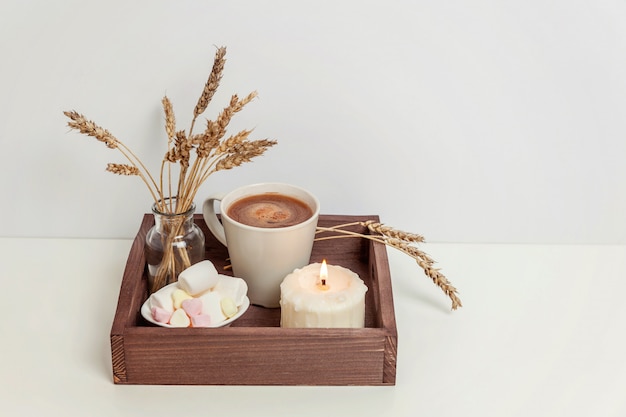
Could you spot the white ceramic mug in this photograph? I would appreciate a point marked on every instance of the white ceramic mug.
(263, 256)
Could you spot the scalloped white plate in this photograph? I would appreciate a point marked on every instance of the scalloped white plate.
(147, 314)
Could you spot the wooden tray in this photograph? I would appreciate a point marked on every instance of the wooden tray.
(255, 350)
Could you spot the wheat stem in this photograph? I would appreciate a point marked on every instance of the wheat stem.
(401, 241)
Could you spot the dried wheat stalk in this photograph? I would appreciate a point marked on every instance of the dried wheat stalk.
(402, 241)
(196, 155)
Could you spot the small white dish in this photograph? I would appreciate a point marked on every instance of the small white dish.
(147, 314)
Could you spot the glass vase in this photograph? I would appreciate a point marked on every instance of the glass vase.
(173, 244)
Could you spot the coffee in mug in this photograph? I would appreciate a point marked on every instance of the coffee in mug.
(270, 210)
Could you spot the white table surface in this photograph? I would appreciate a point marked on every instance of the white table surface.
(542, 333)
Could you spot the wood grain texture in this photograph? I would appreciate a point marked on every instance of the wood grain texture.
(255, 350)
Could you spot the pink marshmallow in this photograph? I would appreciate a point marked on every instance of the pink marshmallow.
(201, 320)
(161, 315)
(192, 306)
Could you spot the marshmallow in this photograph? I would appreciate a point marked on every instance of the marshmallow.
(198, 278)
(180, 319)
(228, 306)
(234, 288)
(211, 306)
(201, 320)
(163, 298)
(178, 296)
(160, 315)
(192, 306)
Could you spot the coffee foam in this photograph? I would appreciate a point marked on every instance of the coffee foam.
(269, 211)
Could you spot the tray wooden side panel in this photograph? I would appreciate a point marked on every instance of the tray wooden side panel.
(381, 281)
(128, 300)
(258, 356)
(255, 350)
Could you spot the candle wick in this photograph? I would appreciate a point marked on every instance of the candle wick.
(322, 284)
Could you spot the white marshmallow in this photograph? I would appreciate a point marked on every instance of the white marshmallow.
(163, 298)
(211, 306)
(198, 278)
(234, 288)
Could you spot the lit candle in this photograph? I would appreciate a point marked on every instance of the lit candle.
(321, 295)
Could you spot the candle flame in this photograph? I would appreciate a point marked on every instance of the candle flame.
(322, 285)
(324, 271)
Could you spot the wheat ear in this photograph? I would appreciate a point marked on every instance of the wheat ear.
(211, 85)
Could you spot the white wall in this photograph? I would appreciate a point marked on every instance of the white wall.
(481, 121)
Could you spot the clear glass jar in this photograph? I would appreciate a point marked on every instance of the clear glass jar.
(173, 244)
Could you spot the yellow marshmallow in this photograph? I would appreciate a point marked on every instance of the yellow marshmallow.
(180, 319)
(178, 296)
(229, 308)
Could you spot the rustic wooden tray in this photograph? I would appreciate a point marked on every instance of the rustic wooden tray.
(255, 350)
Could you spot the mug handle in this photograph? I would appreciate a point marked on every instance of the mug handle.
(210, 217)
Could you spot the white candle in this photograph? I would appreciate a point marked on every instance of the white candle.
(309, 299)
